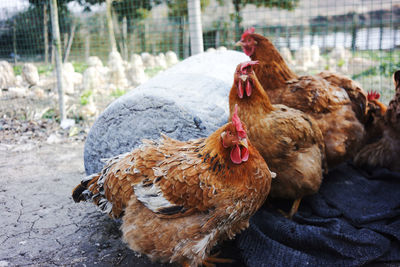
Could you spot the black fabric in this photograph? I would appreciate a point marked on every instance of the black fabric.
(353, 220)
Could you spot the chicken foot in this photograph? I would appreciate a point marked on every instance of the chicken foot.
(293, 210)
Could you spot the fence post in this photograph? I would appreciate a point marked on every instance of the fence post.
(287, 33)
(86, 33)
(354, 32)
(195, 27)
(110, 26)
(301, 35)
(15, 41)
(45, 34)
(380, 32)
(57, 46)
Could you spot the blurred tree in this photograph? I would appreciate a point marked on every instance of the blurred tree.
(177, 13)
(135, 11)
(240, 4)
(64, 15)
(178, 8)
(131, 9)
(32, 29)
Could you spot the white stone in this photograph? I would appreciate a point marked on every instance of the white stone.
(53, 139)
(340, 53)
(160, 61)
(89, 110)
(70, 79)
(67, 84)
(38, 92)
(19, 81)
(94, 62)
(69, 73)
(136, 60)
(358, 64)
(67, 123)
(68, 67)
(93, 79)
(315, 54)
(117, 74)
(17, 91)
(303, 58)
(222, 48)
(148, 60)
(7, 77)
(287, 55)
(171, 58)
(30, 74)
(136, 75)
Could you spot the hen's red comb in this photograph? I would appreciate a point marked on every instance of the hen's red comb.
(373, 95)
(247, 32)
(238, 124)
(247, 64)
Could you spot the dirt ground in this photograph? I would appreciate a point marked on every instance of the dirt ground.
(41, 225)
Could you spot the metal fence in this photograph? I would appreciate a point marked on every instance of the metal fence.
(358, 37)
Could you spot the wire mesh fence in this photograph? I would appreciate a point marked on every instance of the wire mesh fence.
(360, 38)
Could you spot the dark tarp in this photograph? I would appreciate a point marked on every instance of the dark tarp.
(353, 220)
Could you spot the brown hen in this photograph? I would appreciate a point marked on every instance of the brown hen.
(288, 139)
(374, 121)
(386, 151)
(336, 103)
(178, 199)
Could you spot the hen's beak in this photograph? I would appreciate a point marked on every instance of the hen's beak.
(239, 43)
(244, 143)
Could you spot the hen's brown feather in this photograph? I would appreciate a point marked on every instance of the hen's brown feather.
(288, 139)
(336, 103)
(356, 94)
(179, 198)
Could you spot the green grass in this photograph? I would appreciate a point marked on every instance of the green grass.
(341, 63)
(153, 71)
(385, 69)
(381, 56)
(17, 69)
(118, 92)
(44, 69)
(51, 114)
(85, 97)
(80, 66)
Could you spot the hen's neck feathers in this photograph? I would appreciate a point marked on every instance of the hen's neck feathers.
(272, 70)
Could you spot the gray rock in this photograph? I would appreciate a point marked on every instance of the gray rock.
(189, 100)
(30, 74)
(7, 77)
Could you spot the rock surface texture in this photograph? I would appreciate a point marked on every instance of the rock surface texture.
(189, 100)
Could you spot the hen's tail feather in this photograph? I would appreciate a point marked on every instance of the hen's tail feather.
(84, 191)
